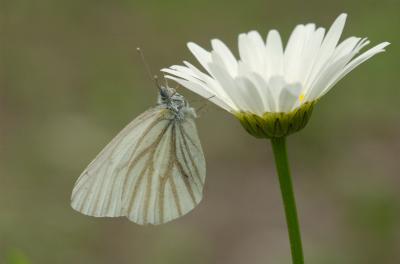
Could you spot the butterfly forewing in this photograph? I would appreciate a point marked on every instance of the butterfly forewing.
(152, 172)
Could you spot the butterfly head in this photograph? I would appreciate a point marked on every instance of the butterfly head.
(174, 101)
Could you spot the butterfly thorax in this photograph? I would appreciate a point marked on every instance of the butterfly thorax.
(175, 102)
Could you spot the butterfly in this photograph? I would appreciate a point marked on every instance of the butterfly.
(152, 172)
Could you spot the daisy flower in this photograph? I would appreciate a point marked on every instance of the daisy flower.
(272, 89)
(271, 82)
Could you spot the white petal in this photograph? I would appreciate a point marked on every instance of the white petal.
(346, 47)
(325, 75)
(259, 50)
(228, 84)
(342, 55)
(334, 33)
(250, 95)
(203, 92)
(311, 47)
(183, 74)
(203, 56)
(227, 56)
(196, 77)
(293, 53)
(305, 54)
(244, 49)
(199, 74)
(328, 45)
(274, 54)
(289, 96)
(243, 69)
(276, 84)
(241, 91)
(200, 89)
(216, 59)
(259, 82)
(210, 82)
(265, 91)
(314, 50)
(180, 68)
(354, 63)
(257, 40)
(250, 50)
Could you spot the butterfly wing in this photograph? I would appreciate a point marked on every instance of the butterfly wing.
(152, 172)
(181, 186)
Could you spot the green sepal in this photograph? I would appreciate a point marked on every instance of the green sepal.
(276, 124)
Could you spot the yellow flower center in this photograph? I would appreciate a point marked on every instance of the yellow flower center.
(301, 97)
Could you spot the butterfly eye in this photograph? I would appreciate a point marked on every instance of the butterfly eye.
(164, 94)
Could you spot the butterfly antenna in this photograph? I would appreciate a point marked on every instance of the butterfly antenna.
(166, 81)
(156, 81)
(147, 67)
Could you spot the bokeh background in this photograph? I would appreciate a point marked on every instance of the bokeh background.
(71, 79)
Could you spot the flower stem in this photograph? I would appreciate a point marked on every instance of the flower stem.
(285, 181)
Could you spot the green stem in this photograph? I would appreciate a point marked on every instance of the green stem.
(285, 181)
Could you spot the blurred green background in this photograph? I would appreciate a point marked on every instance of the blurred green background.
(71, 79)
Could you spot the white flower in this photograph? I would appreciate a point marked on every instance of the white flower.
(269, 78)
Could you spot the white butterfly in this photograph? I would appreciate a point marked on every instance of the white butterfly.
(152, 172)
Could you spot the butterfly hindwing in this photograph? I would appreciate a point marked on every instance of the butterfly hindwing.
(181, 185)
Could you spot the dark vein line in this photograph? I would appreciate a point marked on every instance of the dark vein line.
(175, 195)
(197, 172)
